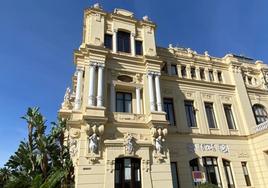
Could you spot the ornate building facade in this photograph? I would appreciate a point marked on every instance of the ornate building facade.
(145, 116)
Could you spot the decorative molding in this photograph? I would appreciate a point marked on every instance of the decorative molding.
(158, 140)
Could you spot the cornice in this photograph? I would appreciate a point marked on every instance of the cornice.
(199, 83)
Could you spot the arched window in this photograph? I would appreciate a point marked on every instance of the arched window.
(127, 173)
(228, 173)
(123, 41)
(260, 113)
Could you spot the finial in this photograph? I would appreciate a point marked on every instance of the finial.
(206, 53)
(145, 18)
(170, 46)
(97, 6)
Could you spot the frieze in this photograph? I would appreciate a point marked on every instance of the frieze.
(223, 148)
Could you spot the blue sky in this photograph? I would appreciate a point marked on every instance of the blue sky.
(37, 39)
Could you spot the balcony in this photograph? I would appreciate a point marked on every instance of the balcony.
(261, 127)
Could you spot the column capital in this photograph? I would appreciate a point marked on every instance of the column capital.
(115, 30)
(93, 64)
(133, 34)
(101, 65)
(78, 68)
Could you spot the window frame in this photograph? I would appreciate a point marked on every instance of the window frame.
(212, 115)
(123, 41)
(230, 122)
(193, 72)
(167, 112)
(211, 75)
(246, 173)
(226, 165)
(212, 165)
(263, 113)
(202, 74)
(123, 101)
(190, 113)
(183, 71)
(173, 67)
(176, 175)
(109, 41)
(141, 47)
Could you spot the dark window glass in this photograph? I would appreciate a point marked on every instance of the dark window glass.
(202, 74)
(174, 70)
(228, 173)
(138, 46)
(169, 109)
(260, 113)
(108, 43)
(211, 76)
(212, 170)
(250, 80)
(123, 102)
(183, 71)
(190, 113)
(219, 76)
(123, 41)
(164, 68)
(174, 173)
(246, 175)
(210, 115)
(127, 173)
(193, 75)
(194, 166)
(229, 116)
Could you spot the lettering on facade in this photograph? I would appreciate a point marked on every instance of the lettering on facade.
(223, 148)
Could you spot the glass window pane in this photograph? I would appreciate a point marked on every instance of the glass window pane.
(174, 175)
(128, 106)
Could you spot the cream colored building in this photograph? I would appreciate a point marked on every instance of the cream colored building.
(146, 116)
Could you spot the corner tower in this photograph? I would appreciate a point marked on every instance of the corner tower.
(116, 124)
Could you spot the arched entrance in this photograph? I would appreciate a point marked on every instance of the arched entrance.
(127, 173)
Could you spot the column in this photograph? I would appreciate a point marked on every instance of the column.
(100, 85)
(151, 91)
(112, 99)
(215, 75)
(92, 72)
(132, 43)
(206, 74)
(138, 99)
(188, 72)
(169, 68)
(115, 41)
(78, 88)
(179, 71)
(246, 79)
(158, 93)
(197, 73)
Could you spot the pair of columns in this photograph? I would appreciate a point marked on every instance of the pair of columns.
(132, 42)
(93, 68)
(153, 79)
(113, 98)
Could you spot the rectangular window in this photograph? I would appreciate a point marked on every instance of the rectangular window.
(245, 171)
(123, 41)
(212, 170)
(174, 70)
(108, 43)
(169, 109)
(123, 102)
(250, 80)
(174, 173)
(183, 71)
(193, 75)
(211, 76)
(219, 76)
(202, 74)
(229, 116)
(228, 173)
(210, 115)
(138, 46)
(190, 113)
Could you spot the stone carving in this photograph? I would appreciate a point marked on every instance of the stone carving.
(158, 138)
(145, 18)
(223, 148)
(73, 143)
(123, 12)
(97, 6)
(93, 143)
(110, 165)
(146, 165)
(66, 101)
(129, 144)
(94, 132)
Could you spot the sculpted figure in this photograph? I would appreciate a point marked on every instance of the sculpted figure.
(93, 143)
(159, 144)
(129, 144)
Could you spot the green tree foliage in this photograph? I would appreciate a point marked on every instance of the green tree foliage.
(43, 161)
(207, 185)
